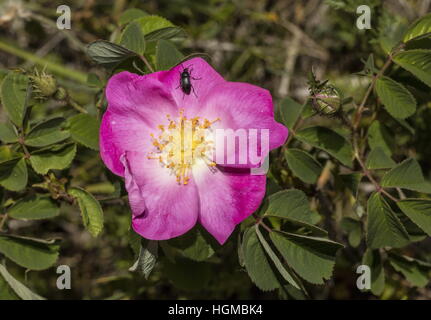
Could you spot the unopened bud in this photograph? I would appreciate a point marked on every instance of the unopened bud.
(327, 101)
(60, 94)
(44, 85)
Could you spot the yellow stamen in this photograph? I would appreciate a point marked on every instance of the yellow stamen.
(182, 142)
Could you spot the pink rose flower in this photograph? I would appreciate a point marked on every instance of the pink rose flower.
(161, 141)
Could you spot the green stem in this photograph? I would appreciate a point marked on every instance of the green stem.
(361, 107)
(147, 63)
(356, 124)
(3, 221)
(76, 106)
(51, 66)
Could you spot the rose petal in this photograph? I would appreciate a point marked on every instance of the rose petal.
(136, 106)
(170, 209)
(119, 134)
(242, 106)
(206, 78)
(227, 197)
(142, 97)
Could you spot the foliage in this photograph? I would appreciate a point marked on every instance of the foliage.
(349, 187)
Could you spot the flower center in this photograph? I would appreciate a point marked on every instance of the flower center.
(181, 143)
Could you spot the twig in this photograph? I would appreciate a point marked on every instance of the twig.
(46, 48)
(51, 66)
(360, 110)
(23, 146)
(75, 105)
(379, 188)
(292, 50)
(306, 39)
(147, 64)
(69, 35)
(3, 221)
(259, 220)
(357, 121)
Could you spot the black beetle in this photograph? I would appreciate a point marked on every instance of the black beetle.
(185, 81)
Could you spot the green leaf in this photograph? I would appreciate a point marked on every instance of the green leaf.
(351, 181)
(47, 132)
(93, 80)
(91, 211)
(390, 31)
(165, 34)
(329, 141)
(8, 133)
(147, 258)
(303, 165)
(85, 130)
(152, 23)
(188, 274)
(407, 175)
(378, 159)
(353, 228)
(419, 211)
(295, 225)
(418, 62)
(311, 257)
(34, 207)
(291, 203)
(415, 271)
(132, 38)
(108, 54)
(308, 109)
(167, 55)
(384, 229)
(130, 15)
(30, 253)
(193, 245)
(416, 234)
(256, 262)
(379, 137)
(290, 110)
(14, 96)
(283, 270)
(399, 102)
(421, 27)
(373, 260)
(6, 292)
(13, 174)
(58, 157)
(19, 289)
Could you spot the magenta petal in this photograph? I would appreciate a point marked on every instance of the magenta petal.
(207, 77)
(142, 97)
(119, 134)
(242, 106)
(136, 105)
(162, 208)
(226, 198)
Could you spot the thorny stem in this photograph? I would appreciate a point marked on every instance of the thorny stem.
(371, 178)
(357, 121)
(360, 110)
